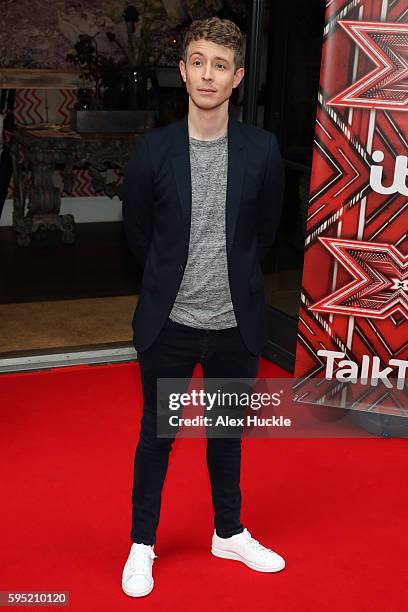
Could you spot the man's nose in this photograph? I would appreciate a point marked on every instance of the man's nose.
(208, 71)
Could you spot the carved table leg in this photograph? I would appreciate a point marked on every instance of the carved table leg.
(21, 225)
(45, 203)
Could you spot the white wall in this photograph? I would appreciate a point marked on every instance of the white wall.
(84, 210)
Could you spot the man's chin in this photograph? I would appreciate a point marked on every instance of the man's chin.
(206, 104)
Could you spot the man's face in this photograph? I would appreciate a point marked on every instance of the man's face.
(209, 73)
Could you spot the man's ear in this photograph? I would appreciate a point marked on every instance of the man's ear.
(238, 76)
(182, 68)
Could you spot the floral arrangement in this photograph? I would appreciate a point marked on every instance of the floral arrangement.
(148, 32)
(153, 35)
(150, 39)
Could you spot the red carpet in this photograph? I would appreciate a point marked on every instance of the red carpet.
(336, 508)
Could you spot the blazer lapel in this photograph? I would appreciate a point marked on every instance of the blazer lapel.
(236, 169)
(182, 174)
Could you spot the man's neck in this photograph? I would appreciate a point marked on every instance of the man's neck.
(207, 125)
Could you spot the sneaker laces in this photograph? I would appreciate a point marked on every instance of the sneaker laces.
(255, 544)
(139, 557)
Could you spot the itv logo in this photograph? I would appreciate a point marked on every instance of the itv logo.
(399, 183)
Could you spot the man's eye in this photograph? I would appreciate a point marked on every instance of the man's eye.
(222, 65)
(195, 61)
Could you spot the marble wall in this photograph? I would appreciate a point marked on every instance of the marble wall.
(38, 33)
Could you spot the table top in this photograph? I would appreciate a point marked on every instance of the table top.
(63, 131)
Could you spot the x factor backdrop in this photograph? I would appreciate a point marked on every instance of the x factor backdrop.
(354, 301)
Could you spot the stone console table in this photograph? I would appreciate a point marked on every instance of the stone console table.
(37, 151)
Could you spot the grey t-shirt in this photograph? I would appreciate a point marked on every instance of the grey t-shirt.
(204, 298)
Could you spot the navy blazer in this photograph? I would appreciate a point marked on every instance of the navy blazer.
(157, 213)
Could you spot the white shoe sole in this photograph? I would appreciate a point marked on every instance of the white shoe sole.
(227, 554)
(140, 593)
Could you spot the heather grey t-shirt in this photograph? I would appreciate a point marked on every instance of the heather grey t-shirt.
(204, 298)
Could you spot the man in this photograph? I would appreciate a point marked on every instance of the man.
(202, 201)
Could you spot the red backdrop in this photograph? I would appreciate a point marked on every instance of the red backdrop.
(354, 301)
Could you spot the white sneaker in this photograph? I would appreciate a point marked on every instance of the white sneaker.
(137, 579)
(243, 547)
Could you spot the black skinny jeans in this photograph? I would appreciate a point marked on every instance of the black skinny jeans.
(174, 354)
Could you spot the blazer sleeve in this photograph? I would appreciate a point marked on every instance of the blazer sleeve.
(271, 199)
(137, 205)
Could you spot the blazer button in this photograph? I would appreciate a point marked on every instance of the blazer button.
(180, 268)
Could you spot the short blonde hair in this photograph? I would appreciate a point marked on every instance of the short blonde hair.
(220, 31)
